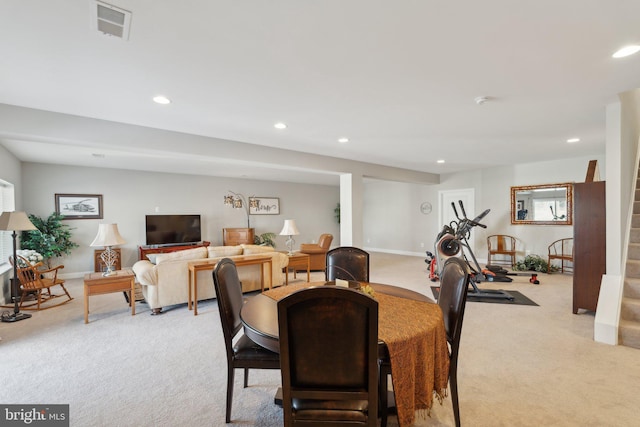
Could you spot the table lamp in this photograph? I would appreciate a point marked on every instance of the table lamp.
(14, 221)
(289, 229)
(108, 236)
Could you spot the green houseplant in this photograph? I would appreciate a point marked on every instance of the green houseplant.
(52, 238)
(265, 239)
(534, 263)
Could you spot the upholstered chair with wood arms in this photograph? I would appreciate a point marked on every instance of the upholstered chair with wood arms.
(329, 371)
(244, 353)
(347, 263)
(454, 282)
(317, 251)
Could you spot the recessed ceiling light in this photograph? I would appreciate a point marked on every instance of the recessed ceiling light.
(343, 140)
(572, 140)
(161, 100)
(280, 125)
(626, 51)
(440, 161)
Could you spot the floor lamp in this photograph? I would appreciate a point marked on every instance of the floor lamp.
(15, 221)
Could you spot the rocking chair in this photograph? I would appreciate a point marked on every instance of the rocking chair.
(33, 279)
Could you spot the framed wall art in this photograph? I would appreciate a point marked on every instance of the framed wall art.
(79, 206)
(264, 206)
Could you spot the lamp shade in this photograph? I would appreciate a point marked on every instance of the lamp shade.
(15, 221)
(108, 235)
(289, 228)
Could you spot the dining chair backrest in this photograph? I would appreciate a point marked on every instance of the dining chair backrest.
(328, 356)
(347, 263)
(454, 283)
(229, 294)
(242, 353)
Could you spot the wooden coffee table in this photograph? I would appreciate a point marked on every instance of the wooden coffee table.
(297, 260)
(120, 281)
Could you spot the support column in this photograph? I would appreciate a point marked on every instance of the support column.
(351, 211)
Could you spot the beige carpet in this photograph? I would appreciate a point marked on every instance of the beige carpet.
(519, 365)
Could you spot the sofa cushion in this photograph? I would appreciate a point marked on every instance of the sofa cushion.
(224, 251)
(187, 254)
(256, 249)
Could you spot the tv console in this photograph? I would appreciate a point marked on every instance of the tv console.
(159, 249)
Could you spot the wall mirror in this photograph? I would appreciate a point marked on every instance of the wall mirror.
(547, 204)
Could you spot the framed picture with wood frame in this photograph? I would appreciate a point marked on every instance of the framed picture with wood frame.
(264, 206)
(79, 206)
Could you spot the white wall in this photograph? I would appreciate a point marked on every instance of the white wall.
(130, 195)
(10, 170)
(393, 221)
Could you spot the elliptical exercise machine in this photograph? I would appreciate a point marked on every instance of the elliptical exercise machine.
(452, 242)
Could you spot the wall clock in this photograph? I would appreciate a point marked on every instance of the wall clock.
(426, 208)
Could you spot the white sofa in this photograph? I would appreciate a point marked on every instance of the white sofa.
(165, 277)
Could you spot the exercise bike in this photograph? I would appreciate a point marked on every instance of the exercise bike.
(452, 241)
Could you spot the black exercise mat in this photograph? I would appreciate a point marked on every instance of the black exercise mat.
(518, 298)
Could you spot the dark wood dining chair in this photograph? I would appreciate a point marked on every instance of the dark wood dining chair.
(329, 371)
(452, 299)
(244, 354)
(347, 263)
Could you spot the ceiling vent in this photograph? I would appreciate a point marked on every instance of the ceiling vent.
(110, 20)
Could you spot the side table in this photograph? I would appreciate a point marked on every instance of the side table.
(297, 260)
(120, 281)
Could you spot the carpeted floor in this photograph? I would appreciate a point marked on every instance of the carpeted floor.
(519, 365)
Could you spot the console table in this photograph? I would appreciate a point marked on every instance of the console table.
(196, 266)
(144, 250)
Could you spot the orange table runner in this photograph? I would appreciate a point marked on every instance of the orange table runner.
(415, 337)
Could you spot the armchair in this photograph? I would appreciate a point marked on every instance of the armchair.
(317, 252)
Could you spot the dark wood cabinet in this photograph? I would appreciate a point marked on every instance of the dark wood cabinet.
(237, 236)
(589, 243)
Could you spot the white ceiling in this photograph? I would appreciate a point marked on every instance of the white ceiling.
(398, 78)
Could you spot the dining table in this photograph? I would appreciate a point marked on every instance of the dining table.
(411, 336)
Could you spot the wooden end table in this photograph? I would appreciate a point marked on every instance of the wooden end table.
(120, 281)
(297, 260)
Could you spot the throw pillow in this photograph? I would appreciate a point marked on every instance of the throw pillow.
(187, 254)
(256, 249)
(224, 251)
(152, 258)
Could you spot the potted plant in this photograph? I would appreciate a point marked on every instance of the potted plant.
(533, 263)
(52, 238)
(265, 239)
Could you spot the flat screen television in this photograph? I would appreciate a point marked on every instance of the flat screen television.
(172, 229)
